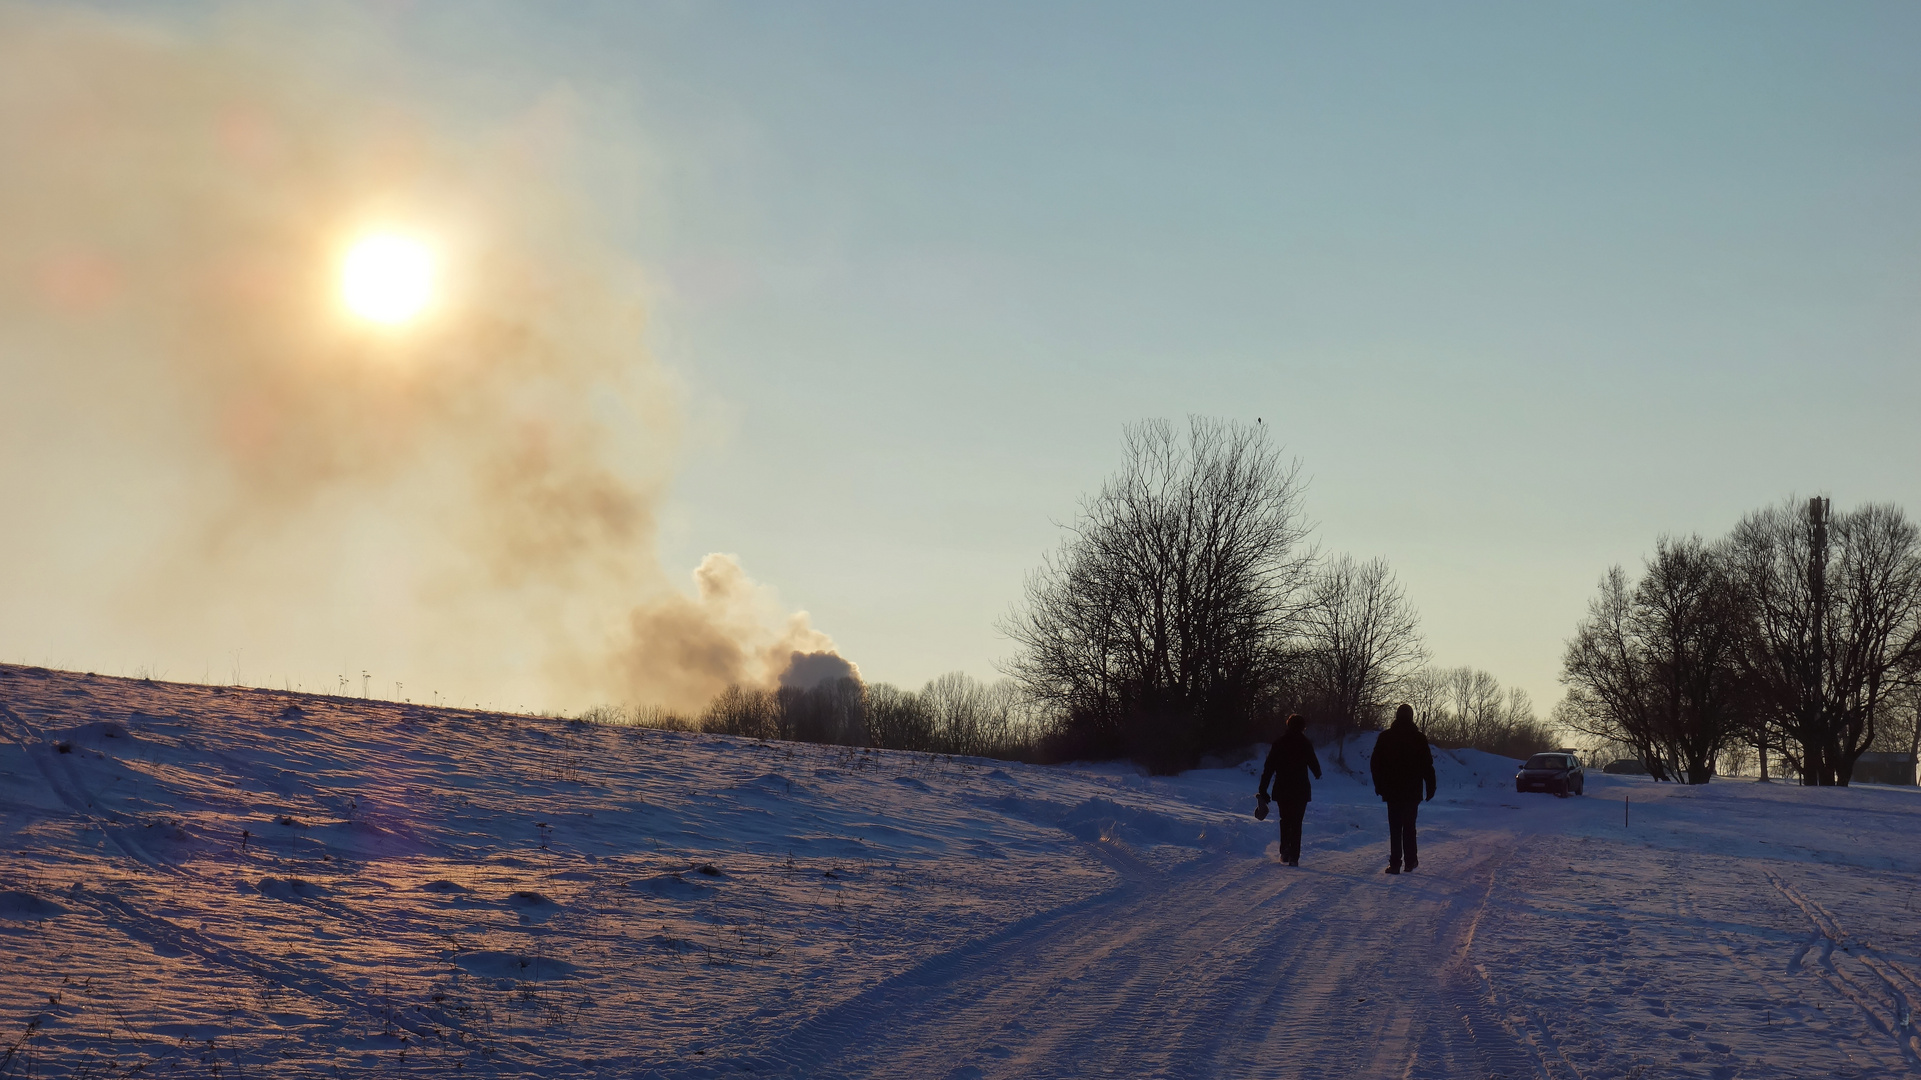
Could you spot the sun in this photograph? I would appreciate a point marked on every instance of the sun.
(387, 278)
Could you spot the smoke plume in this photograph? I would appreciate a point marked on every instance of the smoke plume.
(209, 456)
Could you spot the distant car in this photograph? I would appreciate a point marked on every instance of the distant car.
(1559, 774)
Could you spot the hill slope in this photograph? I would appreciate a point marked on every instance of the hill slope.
(311, 885)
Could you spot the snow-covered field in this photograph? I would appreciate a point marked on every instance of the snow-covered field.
(251, 883)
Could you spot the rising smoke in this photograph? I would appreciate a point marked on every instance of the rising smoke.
(207, 456)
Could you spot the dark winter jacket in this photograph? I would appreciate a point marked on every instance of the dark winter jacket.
(1288, 764)
(1402, 764)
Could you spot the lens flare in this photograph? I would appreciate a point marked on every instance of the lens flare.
(387, 278)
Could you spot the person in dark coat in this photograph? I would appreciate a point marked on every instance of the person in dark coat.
(1402, 766)
(1288, 764)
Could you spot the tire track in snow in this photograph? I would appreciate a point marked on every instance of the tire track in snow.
(987, 971)
(1525, 1044)
(433, 1026)
(1339, 1006)
(166, 935)
(1196, 972)
(1201, 951)
(76, 802)
(1898, 1023)
(840, 1040)
(309, 982)
(1779, 980)
(71, 792)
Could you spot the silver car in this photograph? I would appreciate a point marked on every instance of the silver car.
(1558, 774)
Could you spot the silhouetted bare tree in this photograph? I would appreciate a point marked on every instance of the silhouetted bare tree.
(1690, 609)
(832, 711)
(1657, 666)
(1609, 696)
(962, 715)
(1898, 728)
(739, 710)
(1834, 620)
(898, 719)
(1152, 632)
(1466, 706)
(1472, 703)
(1361, 641)
(968, 716)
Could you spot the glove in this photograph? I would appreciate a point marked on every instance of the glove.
(1260, 806)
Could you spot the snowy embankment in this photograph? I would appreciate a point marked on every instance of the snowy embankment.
(291, 885)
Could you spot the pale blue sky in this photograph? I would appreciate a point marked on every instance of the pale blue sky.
(1522, 286)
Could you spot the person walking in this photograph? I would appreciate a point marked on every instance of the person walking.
(1402, 765)
(1288, 763)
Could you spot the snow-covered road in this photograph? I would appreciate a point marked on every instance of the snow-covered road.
(1215, 968)
(271, 884)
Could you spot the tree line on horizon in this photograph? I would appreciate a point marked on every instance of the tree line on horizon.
(954, 713)
(1185, 614)
(1794, 640)
(960, 715)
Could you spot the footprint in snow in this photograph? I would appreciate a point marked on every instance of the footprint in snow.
(508, 965)
(292, 888)
(533, 907)
(669, 885)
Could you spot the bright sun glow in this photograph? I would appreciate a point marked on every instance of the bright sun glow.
(387, 278)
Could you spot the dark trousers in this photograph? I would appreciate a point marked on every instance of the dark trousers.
(1292, 812)
(1401, 849)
